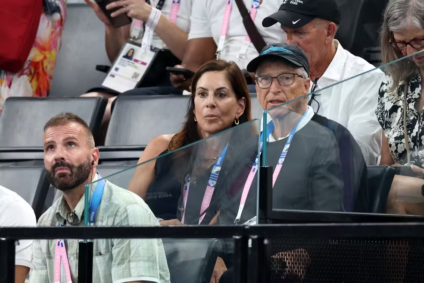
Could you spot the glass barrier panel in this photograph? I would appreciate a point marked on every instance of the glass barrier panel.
(198, 184)
(325, 147)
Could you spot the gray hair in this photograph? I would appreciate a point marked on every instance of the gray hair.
(398, 16)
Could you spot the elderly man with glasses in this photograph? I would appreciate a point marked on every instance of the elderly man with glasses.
(318, 166)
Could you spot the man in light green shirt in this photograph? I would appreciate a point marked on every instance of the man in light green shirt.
(70, 158)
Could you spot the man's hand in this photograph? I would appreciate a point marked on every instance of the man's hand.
(218, 270)
(179, 81)
(173, 222)
(99, 13)
(135, 9)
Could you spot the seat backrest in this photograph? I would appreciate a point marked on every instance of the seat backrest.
(136, 120)
(31, 183)
(82, 48)
(380, 180)
(23, 118)
(257, 110)
(191, 260)
(360, 24)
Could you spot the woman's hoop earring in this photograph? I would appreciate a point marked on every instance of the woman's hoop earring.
(195, 120)
(236, 121)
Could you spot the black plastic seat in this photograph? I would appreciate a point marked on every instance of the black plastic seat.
(23, 119)
(360, 24)
(31, 183)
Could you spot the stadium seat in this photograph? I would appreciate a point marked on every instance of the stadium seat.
(31, 183)
(379, 183)
(136, 120)
(360, 24)
(23, 119)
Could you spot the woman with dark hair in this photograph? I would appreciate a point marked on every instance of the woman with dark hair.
(220, 100)
(129, 55)
(401, 102)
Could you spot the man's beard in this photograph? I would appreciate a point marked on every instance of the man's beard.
(68, 181)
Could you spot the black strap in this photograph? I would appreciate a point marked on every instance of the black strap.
(250, 27)
(160, 4)
(314, 87)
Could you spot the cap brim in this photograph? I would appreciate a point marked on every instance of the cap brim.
(287, 18)
(254, 64)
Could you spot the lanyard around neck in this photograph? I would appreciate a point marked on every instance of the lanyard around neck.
(249, 181)
(213, 179)
(60, 249)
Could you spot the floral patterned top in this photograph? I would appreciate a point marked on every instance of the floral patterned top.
(36, 76)
(390, 114)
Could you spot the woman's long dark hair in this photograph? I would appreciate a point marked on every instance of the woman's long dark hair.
(189, 133)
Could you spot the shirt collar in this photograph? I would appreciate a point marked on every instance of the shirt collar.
(309, 115)
(334, 71)
(62, 209)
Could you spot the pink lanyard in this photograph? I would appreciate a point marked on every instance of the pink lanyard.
(60, 254)
(225, 24)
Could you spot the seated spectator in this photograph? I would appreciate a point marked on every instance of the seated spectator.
(15, 212)
(323, 164)
(35, 78)
(208, 24)
(70, 158)
(169, 34)
(312, 25)
(401, 103)
(220, 100)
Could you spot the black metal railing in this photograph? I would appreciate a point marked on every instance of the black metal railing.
(253, 245)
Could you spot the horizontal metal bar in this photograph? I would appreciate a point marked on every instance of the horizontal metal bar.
(389, 230)
(192, 232)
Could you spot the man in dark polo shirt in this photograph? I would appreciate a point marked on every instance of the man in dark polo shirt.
(318, 165)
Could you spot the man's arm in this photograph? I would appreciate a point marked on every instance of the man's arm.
(363, 123)
(198, 51)
(21, 273)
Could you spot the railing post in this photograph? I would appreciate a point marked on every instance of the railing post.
(85, 262)
(240, 259)
(7, 260)
(265, 193)
(259, 260)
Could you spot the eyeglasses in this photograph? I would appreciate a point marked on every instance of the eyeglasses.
(416, 43)
(283, 79)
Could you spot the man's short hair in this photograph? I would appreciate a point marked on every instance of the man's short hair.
(66, 118)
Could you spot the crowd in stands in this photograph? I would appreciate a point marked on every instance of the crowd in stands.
(319, 144)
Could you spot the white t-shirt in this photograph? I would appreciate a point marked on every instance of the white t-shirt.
(183, 19)
(353, 103)
(14, 212)
(207, 18)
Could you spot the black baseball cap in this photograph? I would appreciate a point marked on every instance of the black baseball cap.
(297, 13)
(290, 53)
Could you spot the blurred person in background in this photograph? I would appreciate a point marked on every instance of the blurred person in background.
(167, 35)
(312, 25)
(70, 159)
(401, 103)
(36, 76)
(206, 41)
(16, 212)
